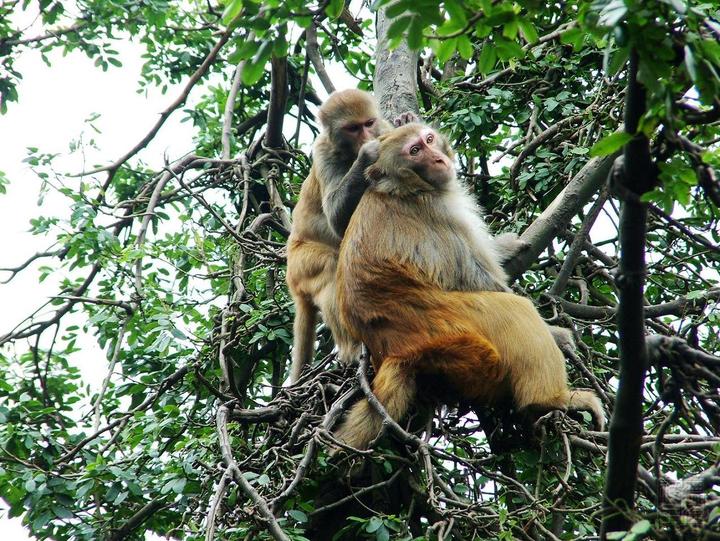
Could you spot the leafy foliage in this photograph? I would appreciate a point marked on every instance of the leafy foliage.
(178, 275)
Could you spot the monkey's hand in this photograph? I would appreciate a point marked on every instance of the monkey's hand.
(509, 245)
(370, 152)
(405, 118)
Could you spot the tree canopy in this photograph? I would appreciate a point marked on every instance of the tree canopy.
(591, 129)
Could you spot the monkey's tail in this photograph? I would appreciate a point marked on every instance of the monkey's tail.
(587, 400)
(394, 386)
(303, 336)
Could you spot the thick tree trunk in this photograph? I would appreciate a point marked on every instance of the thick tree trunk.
(395, 84)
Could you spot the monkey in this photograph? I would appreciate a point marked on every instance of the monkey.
(412, 284)
(349, 119)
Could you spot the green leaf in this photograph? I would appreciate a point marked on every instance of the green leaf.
(396, 9)
(335, 8)
(510, 29)
(465, 47)
(611, 143)
(697, 294)
(179, 485)
(232, 10)
(62, 512)
(487, 59)
(399, 26)
(41, 521)
(641, 527)
(244, 49)
(456, 11)
(255, 67)
(446, 49)
(299, 516)
(415, 37)
(507, 49)
(528, 30)
(618, 58)
(373, 524)
(574, 36)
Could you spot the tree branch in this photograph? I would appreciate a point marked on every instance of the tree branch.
(626, 424)
(395, 80)
(313, 52)
(179, 101)
(577, 245)
(260, 504)
(554, 219)
(278, 102)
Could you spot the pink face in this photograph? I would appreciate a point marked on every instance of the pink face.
(424, 150)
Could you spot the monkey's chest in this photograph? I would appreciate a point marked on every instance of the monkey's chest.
(449, 262)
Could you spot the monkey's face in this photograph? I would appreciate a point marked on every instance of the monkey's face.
(424, 153)
(359, 131)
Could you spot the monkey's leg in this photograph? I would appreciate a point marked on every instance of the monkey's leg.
(394, 386)
(468, 363)
(303, 335)
(311, 267)
(563, 337)
(348, 347)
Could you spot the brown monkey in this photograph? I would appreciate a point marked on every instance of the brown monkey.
(329, 195)
(411, 268)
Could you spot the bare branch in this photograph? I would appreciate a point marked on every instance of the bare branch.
(15, 270)
(577, 245)
(313, 53)
(260, 504)
(179, 101)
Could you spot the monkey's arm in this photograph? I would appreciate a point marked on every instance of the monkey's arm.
(342, 195)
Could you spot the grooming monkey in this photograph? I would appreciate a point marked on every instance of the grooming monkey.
(414, 283)
(349, 119)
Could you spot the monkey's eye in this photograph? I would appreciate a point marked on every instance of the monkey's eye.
(414, 150)
(353, 128)
(430, 138)
(369, 123)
